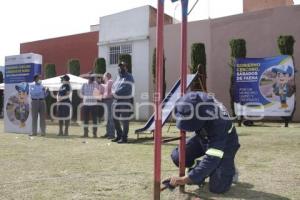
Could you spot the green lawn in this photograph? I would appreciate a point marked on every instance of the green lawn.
(75, 168)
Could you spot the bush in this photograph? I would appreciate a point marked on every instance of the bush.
(127, 59)
(198, 65)
(100, 66)
(49, 72)
(154, 73)
(286, 44)
(238, 50)
(198, 56)
(74, 67)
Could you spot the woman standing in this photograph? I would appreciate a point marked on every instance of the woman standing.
(64, 105)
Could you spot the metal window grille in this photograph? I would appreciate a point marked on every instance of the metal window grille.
(115, 51)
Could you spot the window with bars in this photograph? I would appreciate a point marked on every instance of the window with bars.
(115, 51)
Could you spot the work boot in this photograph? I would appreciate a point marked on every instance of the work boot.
(86, 132)
(116, 139)
(61, 123)
(67, 123)
(95, 132)
(122, 141)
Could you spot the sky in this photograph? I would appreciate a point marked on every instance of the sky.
(29, 20)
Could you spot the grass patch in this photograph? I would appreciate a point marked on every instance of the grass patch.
(52, 167)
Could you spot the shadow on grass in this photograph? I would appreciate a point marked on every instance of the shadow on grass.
(148, 141)
(238, 191)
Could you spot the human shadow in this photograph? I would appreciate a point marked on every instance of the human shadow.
(237, 191)
(148, 141)
(55, 136)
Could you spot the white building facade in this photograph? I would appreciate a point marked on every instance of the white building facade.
(128, 33)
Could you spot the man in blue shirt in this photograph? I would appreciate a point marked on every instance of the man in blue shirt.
(38, 94)
(215, 142)
(123, 100)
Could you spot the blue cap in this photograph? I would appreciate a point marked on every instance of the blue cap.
(22, 87)
(284, 69)
(188, 109)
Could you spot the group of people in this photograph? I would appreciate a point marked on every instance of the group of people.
(210, 152)
(100, 96)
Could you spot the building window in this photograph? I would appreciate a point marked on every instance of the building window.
(115, 51)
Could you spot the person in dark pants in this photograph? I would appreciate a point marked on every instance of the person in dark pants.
(64, 108)
(211, 151)
(122, 105)
(89, 105)
(38, 94)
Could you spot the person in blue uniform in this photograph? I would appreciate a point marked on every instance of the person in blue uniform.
(63, 97)
(210, 152)
(38, 94)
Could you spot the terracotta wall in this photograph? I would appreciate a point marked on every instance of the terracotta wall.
(60, 50)
(254, 5)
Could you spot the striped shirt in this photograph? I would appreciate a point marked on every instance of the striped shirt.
(89, 91)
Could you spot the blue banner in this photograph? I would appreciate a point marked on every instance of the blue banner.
(264, 86)
(19, 73)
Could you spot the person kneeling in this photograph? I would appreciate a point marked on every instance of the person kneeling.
(215, 141)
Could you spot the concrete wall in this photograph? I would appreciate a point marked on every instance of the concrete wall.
(197, 32)
(153, 17)
(125, 25)
(259, 29)
(129, 27)
(254, 5)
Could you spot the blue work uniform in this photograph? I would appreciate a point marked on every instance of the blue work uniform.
(215, 141)
(64, 109)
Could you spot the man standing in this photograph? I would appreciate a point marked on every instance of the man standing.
(215, 141)
(90, 105)
(123, 100)
(38, 94)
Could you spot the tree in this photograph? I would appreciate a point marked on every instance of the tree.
(238, 50)
(154, 72)
(49, 72)
(198, 65)
(286, 44)
(74, 68)
(127, 59)
(100, 66)
(286, 47)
